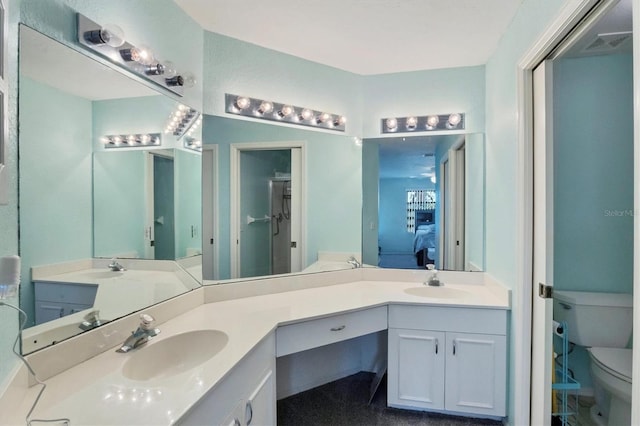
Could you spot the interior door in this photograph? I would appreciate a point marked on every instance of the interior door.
(541, 352)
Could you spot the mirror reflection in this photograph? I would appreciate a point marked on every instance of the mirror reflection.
(80, 200)
(424, 202)
(147, 204)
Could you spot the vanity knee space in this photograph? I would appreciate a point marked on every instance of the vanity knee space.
(447, 359)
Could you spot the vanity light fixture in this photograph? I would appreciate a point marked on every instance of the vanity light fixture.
(131, 140)
(109, 41)
(275, 111)
(424, 123)
(183, 120)
(193, 144)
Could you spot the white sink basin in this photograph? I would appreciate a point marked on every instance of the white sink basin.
(174, 355)
(437, 292)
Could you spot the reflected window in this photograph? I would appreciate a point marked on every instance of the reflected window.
(421, 206)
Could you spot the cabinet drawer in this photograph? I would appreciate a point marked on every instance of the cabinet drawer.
(69, 293)
(310, 334)
(464, 320)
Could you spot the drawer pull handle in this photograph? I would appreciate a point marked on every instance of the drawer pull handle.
(436, 346)
(342, 327)
(454, 347)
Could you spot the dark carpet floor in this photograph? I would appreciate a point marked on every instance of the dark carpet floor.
(345, 402)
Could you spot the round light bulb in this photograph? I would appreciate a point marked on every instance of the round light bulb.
(105, 140)
(131, 139)
(117, 140)
(265, 107)
(142, 54)
(391, 123)
(189, 79)
(112, 35)
(340, 121)
(432, 121)
(454, 119)
(145, 139)
(306, 114)
(323, 118)
(170, 69)
(286, 111)
(412, 122)
(242, 102)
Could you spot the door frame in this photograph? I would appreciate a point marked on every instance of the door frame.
(567, 18)
(210, 218)
(299, 230)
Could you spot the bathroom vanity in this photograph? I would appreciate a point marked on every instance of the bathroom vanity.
(228, 376)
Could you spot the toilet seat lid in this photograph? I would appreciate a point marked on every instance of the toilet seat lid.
(617, 361)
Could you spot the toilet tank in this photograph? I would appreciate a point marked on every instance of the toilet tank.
(595, 319)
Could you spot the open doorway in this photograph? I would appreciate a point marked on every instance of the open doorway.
(583, 221)
(266, 209)
(160, 233)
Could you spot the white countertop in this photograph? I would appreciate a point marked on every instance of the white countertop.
(95, 391)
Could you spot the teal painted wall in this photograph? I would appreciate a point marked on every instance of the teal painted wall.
(393, 237)
(593, 175)
(119, 201)
(240, 68)
(501, 129)
(55, 196)
(474, 202)
(333, 183)
(424, 92)
(188, 202)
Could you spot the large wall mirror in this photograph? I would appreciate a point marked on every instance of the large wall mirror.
(80, 200)
(423, 202)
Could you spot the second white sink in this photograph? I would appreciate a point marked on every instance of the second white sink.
(174, 355)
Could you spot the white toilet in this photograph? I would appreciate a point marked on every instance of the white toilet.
(602, 322)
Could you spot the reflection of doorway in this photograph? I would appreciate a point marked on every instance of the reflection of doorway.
(210, 240)
(452, 191)
(266, 217)
(160, 236)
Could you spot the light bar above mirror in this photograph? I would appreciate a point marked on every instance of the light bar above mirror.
(108, 41)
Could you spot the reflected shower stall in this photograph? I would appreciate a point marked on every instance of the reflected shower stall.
(265, 212)
(280, 197)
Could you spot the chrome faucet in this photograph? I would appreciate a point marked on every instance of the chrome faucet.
(115, 266)
(91, 320)
(354, 262)
(142, 334)
(433, 280)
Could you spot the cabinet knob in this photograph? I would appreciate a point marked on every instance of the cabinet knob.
(436, 346)
(454, 346)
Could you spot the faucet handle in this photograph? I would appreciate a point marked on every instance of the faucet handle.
(431, 266)
(146, 321)
(93, 315)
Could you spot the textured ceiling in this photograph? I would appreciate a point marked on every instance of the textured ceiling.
(364, 36)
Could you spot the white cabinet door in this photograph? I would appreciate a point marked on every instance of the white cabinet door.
(416, 369)
(233, 419)
(476, 373)
(260, 409)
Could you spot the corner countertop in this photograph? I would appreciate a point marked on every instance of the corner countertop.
(96, 392)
